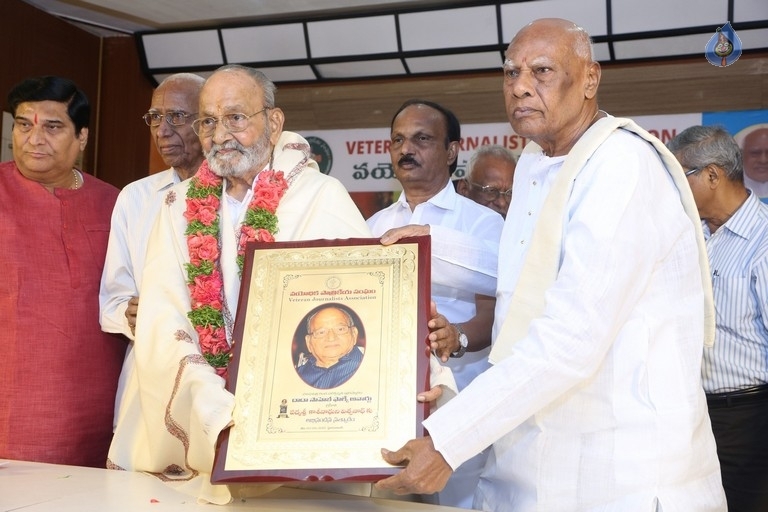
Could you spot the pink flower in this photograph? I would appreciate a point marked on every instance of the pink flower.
(262, 235)
(270, 187)
(202, 247)
(206, 291)
(205, 210)
(205, 176)
(247, 233)
(212, 340)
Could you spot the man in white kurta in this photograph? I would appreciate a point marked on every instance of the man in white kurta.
(594, 401)
(183, 401)
(600, 404)
(173, 106)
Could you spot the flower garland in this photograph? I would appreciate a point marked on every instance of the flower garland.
(204, 277)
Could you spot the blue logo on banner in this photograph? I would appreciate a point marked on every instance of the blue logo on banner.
(723, 48)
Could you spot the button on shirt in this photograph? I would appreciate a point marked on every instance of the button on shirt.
(738, 257)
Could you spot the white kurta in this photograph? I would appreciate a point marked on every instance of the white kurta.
(176, 403)
(133, 217)
(600, 405)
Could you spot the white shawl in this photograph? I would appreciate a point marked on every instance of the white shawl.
(541, 264)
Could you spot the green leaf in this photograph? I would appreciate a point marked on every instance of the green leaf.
(206, 316)
(217, 360)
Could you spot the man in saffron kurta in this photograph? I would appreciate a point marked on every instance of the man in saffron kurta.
(184, 403)
(58, 370)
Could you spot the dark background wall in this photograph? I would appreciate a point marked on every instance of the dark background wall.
(120, 150)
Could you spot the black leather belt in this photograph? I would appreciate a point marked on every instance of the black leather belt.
(738, 397)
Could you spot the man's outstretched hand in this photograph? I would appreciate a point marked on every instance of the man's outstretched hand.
(425, 469)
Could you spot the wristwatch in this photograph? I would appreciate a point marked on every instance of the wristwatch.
(463, 342)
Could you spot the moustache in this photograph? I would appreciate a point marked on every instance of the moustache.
(230, 144)
(408, 159)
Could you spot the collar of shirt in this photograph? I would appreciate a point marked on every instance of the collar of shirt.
(742, 222)
(166, 179)
(445, 199)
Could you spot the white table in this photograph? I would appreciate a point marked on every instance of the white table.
(37, 487)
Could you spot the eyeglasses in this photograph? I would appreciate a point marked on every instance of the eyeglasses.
(233, 123)
(692, 171)
(490, 193)
(339, 330)
(172, 118)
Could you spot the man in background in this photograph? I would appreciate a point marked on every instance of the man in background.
(488, 182)
(755, 150)
(735, 369)
(58, 370)
(170, 116)
(464, 236)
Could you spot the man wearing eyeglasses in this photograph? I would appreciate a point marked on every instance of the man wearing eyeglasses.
(184, 403)
(735, 369)
(332, 343)
(489, 178)
(170, 116)
(174, 107)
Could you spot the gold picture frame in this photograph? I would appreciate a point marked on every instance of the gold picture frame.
(290, 428)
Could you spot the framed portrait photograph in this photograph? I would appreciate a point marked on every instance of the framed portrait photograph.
(329, 355)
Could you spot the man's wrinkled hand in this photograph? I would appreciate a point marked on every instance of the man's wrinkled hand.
(425, 469)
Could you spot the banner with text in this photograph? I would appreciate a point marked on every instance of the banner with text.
(360, 158)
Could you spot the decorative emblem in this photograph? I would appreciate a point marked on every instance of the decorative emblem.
(723, 48)
(321, 153)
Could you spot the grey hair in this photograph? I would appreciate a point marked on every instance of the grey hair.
(583, 46)
(698, 146)
(184, 78)
(260, 78)
(494, 150)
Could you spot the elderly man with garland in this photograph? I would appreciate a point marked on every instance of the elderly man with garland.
(258, 184)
